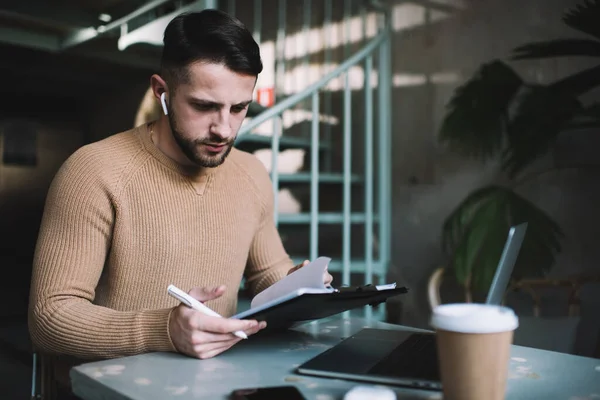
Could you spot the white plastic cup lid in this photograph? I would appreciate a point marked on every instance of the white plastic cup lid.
(474, 318)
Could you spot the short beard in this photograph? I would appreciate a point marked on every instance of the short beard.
(190, 147)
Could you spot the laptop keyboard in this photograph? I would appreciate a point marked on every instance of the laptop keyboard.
(416, 357)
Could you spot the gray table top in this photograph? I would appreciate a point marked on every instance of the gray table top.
(270, 361)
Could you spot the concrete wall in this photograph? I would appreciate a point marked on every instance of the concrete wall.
(59, 132)
(22, 194)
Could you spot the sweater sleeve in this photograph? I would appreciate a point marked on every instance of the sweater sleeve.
(268, 262)
(72, 247)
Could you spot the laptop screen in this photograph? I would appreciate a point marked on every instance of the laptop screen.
(506, 264)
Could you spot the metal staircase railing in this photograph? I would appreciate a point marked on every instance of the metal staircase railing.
(374, 58)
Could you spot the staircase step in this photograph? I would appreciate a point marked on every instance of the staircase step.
(323, 218)
(304, 177)
(252, 142)
(337, 265)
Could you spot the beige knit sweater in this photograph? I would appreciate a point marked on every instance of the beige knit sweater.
(123, 221)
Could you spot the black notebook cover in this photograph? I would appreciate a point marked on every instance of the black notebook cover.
(301, 305)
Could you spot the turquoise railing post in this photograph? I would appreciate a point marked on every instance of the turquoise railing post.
(305, 64)
(381, 162)
(314, 179)
(280, 50)
(347, 179)
(277, 127)
(368, 177)
(327, 42)
(387, 45)
(257, 20)
(384, 83)
(278, 121)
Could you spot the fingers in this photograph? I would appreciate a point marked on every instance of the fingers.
(327, 278)
(297, 267)
(261, 325)
(209, 350)
(207, 323)
(208, 344)
(200, 337)
(204, 294)
(205, 344)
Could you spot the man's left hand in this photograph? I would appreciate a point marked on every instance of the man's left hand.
(327, 278)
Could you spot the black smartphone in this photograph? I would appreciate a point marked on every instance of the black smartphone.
(268, 393)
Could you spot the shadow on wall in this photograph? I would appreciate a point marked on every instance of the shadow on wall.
(570, 196)
(419, 213)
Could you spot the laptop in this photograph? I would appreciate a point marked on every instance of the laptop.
(403, 358)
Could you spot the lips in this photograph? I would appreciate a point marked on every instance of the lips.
(215, 148)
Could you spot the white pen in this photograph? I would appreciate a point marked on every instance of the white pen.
(196, 305)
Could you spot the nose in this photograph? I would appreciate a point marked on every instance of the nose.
(221, 126)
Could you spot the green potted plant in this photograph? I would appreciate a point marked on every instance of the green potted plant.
(497, 115)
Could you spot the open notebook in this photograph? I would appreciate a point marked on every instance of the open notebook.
(308, 277)
(304, 289)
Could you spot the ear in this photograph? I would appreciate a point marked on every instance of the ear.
(160, 90)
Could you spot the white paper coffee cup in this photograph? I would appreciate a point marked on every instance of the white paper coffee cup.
(473, 342)
(474, 318)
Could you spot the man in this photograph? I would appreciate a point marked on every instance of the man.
(168, 202)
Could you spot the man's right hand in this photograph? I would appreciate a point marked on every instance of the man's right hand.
(202, 336)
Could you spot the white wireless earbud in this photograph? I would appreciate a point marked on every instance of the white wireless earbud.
(164, 103)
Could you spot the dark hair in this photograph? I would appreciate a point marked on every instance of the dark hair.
(210, 36)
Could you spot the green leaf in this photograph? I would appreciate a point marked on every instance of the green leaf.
(476, 251)
(584, 17)
(477, 113)
(541, 114)
(558, 48)
(479, 247)
(458, 222)
(476, 231)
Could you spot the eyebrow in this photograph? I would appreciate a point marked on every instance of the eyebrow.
(216, 104)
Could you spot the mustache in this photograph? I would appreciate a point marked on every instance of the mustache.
(211, 142)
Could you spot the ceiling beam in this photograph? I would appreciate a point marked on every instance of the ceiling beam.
(150, 32)
(434, 5)
(52, 43)
(49, 13)
(79, 37)
(26, 38)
